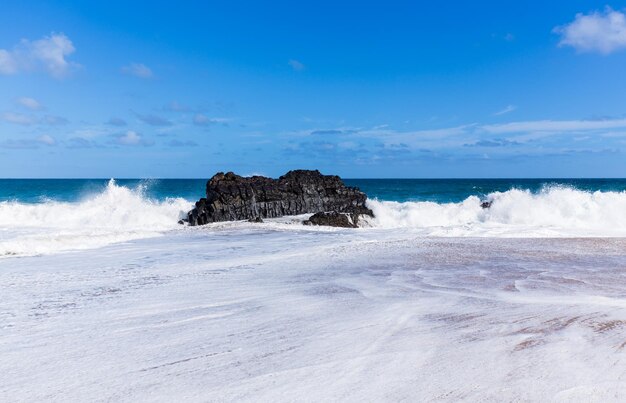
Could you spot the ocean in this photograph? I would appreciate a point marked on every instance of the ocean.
(40, 216)
(104, 295)
(398, 190)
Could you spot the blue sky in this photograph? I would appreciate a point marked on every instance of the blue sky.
(360, 89)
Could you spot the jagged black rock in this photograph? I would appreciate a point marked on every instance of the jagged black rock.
(231, 197)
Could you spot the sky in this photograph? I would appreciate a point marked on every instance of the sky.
(394, 89)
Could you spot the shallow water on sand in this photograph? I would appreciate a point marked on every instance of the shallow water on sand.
(244, 312)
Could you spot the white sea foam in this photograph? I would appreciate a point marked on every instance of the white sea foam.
(554, 211)
(280, 311)
(120, 214)
(116, 214)
(247, 314)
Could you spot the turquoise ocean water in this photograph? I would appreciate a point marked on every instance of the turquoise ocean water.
(400, 190)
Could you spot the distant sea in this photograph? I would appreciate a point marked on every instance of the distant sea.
(399, 190)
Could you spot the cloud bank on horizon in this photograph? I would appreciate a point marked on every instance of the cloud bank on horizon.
(530, 96)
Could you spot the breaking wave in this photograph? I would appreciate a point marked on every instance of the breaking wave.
(120, 213)
(553, 211)
(116, 214)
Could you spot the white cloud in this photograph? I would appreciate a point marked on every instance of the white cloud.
(27, 120)
(496, 136)
(507, 109)
(138, 70)
(18, 118)
(88, 133)
(296, 65)
(202, 120)
(47, 54)
(30, 103)
(555, 126)
(51, 51)
(405, 137)
(430, 138)
(132, 138)
(601, 32)
(30, 143)
(47, 140)
(8, 64)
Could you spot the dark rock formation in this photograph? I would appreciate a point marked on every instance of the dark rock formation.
(486, 204)
(334, 219)
(256, 219)
(230, 197)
